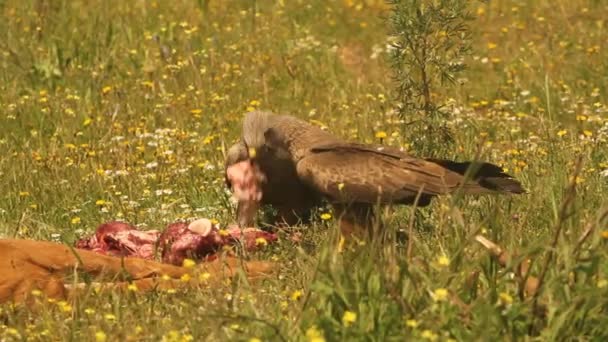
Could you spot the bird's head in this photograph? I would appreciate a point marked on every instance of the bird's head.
(255, 126)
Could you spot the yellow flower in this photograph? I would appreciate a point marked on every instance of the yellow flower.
(562, 133)
(381, 135)
(188, 263)
(89, 311)
(75, 220)
(440, 295)
(204, 276)
(340, 186)
(325, 216)
(255, 339)
(100, 202)
(443, 261)
(605, 234)
(348, 318)
(602, 283)
(36, 293)
(429, 335)
(196, 111)
(505, 298)
(106, 90)
(411, 323)
(87, 122)
(492, 46)
(261, 241)
(314, 335)
(100, 336)
(587, 133)
(185, 278)
(109, 317)
(296, 295)
(23, 193)
(132, 287)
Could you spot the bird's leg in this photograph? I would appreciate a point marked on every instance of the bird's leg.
(356, 219)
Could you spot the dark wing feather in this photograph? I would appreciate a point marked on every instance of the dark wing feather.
(359, 173)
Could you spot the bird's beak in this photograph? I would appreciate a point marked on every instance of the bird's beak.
(252, 153)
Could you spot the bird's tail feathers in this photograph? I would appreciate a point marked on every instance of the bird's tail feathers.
(483, 177)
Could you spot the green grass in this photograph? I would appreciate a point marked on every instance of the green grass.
(122, 109)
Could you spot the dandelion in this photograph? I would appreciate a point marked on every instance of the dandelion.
(185, 278)
(440, 294)
(314, 335)
(100, 203)
(562, 133)
(64, 306)
(75, 220)
(349, 318)
(325, 216)
(87, 122)
(132, 287)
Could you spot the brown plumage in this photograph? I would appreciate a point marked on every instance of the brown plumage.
(304, 163)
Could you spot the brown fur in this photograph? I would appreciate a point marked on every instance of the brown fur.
(28, 265)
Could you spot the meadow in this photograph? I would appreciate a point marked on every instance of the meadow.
(123, 110)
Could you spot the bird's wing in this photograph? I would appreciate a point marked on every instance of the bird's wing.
(364, 173)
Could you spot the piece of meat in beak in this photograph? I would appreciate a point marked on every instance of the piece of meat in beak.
(246, 179)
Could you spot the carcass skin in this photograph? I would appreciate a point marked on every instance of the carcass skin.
(28, 265)
(303, 164)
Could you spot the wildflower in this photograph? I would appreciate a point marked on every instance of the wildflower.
(440, 295)
(106, 90)
(100, 336)
(196, 111)
(23, 193)
(75, 220)
(314, 335)
(605, 234)
(587, 133)
(381, 135)
(348, 318)
(562, 133)
(492, 46)
(89, 311)
(185, 278)
(340, 186)
(411, 323)
(109, 317)
(296, 295)
(325, 216)
(255, 339)
(204, 276)
(132, 287)
(443, 261)
(429, 335)
(261, 242)
(87, 122)
(64, 306)
(188, 263)
(100, 202)
(505, 299)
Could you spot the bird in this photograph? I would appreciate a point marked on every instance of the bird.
(304, 165)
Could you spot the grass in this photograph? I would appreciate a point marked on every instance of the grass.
(122, 110)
